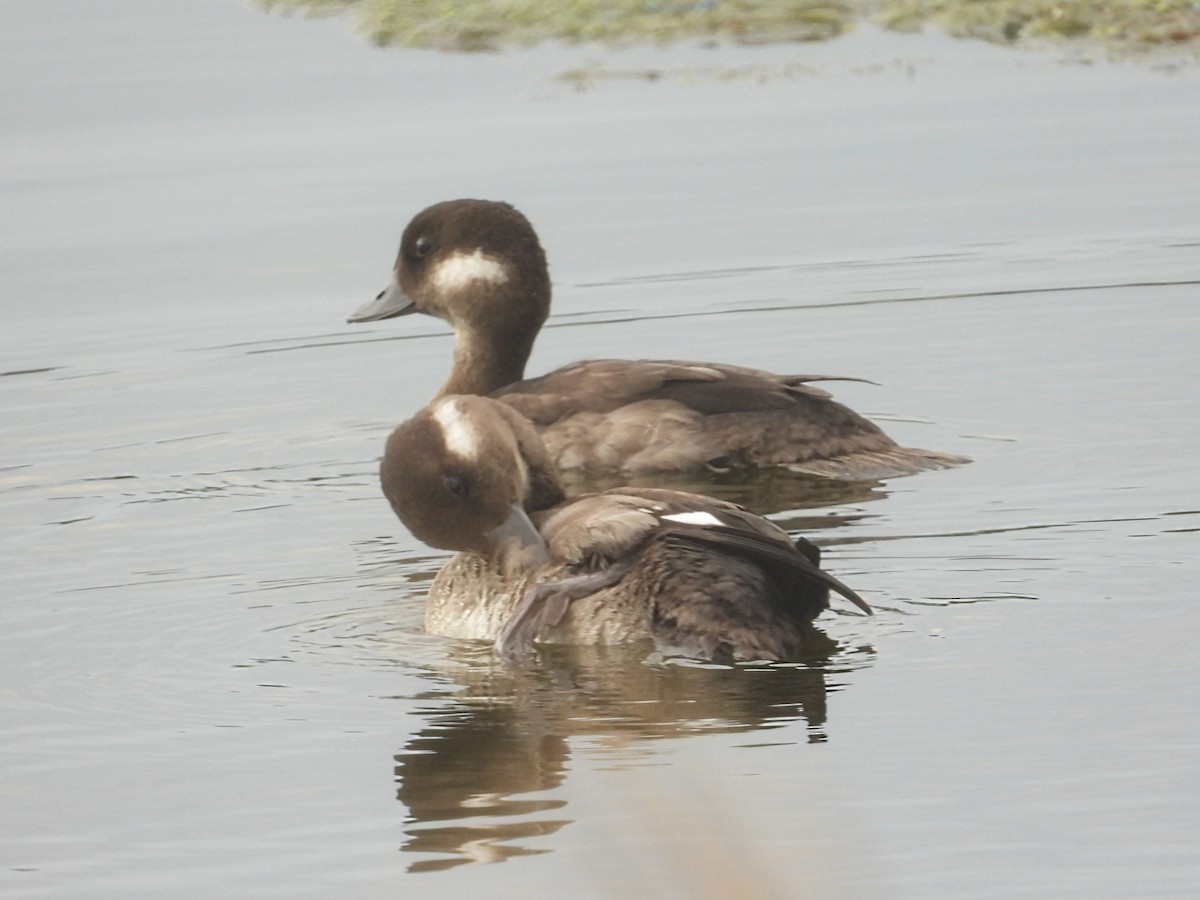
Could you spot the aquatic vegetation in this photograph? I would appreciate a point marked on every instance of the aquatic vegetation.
(487, 24)
(1144, 22)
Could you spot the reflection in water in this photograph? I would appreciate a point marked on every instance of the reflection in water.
(489, 767)
(485, 765)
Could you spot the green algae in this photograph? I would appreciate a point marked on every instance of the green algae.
(488, 24)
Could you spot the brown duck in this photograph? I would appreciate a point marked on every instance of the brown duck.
(694, 575)
(478, 264)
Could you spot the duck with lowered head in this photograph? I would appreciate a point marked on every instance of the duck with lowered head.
(694, 575)
(478, 265)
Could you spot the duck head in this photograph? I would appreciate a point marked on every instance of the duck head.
(464, 473)
(478, 265)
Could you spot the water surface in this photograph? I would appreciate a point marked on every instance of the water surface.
(215, 680)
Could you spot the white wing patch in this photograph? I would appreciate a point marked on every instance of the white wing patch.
(694, 518)
(459, 270)
(457, 431)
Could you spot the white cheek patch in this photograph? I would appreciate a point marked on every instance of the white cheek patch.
(457, 431)
(459, 270)
(693, 518)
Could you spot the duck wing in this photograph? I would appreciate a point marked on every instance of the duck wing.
(597, 530)
(709, 522)
(602, 537)
(600, 530)
(603, 385)
(768, 552)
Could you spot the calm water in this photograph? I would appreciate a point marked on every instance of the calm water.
(213, 679)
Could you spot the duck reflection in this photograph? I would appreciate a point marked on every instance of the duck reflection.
(489, 766)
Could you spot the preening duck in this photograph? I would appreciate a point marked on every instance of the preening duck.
(694, 575)
(478, 265)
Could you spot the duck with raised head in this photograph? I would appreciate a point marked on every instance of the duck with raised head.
(478, 265)
(694, 575)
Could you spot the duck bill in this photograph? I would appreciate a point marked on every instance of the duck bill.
(516, 545)
(389, 303)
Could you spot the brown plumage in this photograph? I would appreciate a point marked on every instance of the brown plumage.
(692, 574)
(479, 265)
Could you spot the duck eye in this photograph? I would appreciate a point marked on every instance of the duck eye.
(422, 246)
(455, 485)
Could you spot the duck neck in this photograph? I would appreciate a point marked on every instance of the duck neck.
(483, 365)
